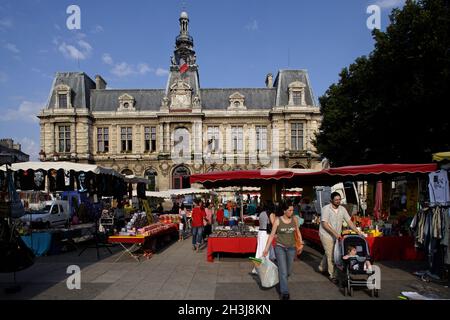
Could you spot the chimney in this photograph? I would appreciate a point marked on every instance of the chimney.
(100, 83)
(269, 80)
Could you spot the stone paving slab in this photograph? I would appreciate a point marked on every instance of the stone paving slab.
(179, 273)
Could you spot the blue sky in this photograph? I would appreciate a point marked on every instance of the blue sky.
(130, 43)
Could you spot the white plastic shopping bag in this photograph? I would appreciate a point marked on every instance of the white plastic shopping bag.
(268, 273)
(337, 254)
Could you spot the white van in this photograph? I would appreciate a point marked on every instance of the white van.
(55, 213)
(349, 195)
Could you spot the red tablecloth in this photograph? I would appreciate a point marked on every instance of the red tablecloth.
(233, 245)
(311, 235)
(381, 248)
(126, 239)
(141, 239)
(394, 248)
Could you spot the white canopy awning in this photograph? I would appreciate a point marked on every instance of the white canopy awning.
(78, 167)
(173, 192)
(134, 179)
(180, 192)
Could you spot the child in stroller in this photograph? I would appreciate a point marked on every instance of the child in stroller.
(354, 262)
(352, 259)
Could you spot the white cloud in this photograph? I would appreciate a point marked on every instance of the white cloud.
(252, 26)
(3, 77)
(160, 72)
(143, 68)
(12, 47)
(26, 112)
(84, 45)
(122, 70)
(106, 58)
(97, 29)
(6, 23)
(72, 52)
(30, 147)
(387, 4)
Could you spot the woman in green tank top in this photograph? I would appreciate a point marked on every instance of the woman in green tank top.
(284, 228)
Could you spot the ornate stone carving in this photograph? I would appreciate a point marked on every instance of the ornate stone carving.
(164, 166)
(180, 94)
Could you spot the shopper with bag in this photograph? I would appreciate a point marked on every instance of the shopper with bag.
(288, 243)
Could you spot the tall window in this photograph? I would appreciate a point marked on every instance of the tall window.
(151, 174)
(64, 138)
(237, 137)
(150, 139)
(213, 139)
(297, 136)
(261, 138)
(297, 97)
(126, 138)
(62, 100)
(102, 139)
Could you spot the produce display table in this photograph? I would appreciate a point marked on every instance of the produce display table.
(231, 245)
(137, 241)
(311, 235)
(394, 248)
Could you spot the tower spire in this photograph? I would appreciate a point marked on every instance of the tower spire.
(184, 44)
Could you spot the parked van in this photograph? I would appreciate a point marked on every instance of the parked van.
(349, 196)
(55, 213)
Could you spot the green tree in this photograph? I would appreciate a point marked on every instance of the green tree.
(392, 105)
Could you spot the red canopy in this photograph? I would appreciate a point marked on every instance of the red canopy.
(376, 169)
(293, 177)
(240, 177)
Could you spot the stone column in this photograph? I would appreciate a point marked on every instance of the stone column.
(167, 137)
(161, 138)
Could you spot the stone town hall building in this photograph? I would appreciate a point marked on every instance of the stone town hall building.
(141, 131)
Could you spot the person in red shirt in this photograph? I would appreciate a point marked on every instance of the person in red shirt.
(198, 216)
(220, 214)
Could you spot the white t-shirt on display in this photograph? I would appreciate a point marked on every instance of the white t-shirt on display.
(438, 187)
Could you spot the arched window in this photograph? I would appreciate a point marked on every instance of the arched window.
(180, 178)
(151, 174)
(127, 172)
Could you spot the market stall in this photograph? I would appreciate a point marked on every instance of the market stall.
(392, 245)
(228, 240)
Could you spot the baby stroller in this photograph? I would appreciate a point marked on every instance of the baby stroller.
(351, 272)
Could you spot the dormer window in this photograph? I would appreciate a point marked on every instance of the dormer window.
(237, 101)
(297, 97)
(126, 103)
(62, 100)
(63, 97)
(297, 93)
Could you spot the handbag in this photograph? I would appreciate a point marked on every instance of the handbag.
(298, 243)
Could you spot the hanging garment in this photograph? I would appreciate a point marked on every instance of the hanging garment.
(438, 187)
(39, 180)
(378, 201)
(436, 226)
(67, 178)
(52, 174)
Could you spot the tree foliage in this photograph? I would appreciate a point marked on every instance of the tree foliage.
(392, 106)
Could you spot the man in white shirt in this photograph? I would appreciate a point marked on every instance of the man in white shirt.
(332, 217)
